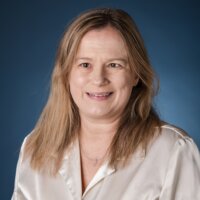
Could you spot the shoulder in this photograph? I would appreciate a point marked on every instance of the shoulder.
(24, 142)
(170, 135)
(181, 157)
(173, 140)
(173, 132)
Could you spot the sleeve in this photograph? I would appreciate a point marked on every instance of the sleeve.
(15, 192)
(182, 181)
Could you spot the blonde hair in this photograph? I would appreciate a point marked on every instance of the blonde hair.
(59, 122)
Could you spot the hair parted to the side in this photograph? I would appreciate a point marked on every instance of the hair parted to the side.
(59, 122)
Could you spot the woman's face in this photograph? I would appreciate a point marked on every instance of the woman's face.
(100, 80)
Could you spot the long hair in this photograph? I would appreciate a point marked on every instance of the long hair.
(59, 122)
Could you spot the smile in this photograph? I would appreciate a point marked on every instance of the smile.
(99, 95)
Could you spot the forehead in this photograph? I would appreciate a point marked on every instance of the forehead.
(105, 40)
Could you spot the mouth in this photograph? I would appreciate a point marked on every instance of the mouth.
(99, 95)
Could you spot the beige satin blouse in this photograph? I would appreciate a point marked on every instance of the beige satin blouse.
(169, 171)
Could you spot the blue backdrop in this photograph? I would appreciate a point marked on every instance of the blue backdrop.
(30, 32)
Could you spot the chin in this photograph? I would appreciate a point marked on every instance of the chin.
(97, 115)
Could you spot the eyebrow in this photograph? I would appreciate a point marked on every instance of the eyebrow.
(125, 60)
(83, 58)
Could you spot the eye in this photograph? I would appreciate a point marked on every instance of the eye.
(84, 65)
(115, 65)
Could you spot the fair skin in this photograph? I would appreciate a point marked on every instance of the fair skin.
(100, 85)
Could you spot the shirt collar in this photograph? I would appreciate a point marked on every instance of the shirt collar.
(70, 170)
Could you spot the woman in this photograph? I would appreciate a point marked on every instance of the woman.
(98, 136)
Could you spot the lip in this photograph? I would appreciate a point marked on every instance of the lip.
(99, 95)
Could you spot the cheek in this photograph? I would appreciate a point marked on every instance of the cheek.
(76, 79)
(124, 83)
(77, 83)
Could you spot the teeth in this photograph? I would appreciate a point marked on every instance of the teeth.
(103, 94)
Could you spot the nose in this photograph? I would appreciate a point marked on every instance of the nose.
(99, 76)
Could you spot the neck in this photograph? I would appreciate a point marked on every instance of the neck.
(96, 137)
(94, 140)
(98, 130)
